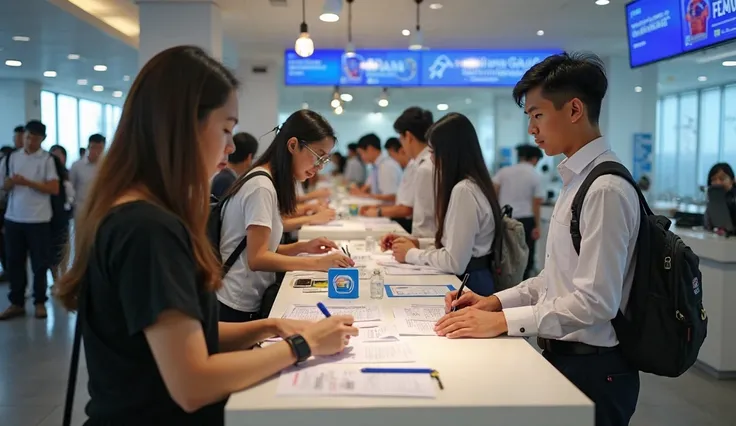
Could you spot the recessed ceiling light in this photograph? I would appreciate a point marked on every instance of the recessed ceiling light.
(540, 33)
(405, 33)
(729, 63)
(442, 107)
(100, 68)
(347, 97)
(13, 63)
(702, 78)
(72, 57)
(98, 88)
(383, 103)
(49, 74)
(602, 2)
(21, 38)
(329, 17)
(82, 82)
(638, 89)
(435, 6)
(117, 94)
(468, 101)
(126, 78)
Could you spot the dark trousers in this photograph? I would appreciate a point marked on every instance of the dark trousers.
(22, 240)
(606, 379)
(529, 224)
(481, 282)
(3, 257)
(228, 314)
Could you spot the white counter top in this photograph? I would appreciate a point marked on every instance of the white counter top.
(352, 228)
(504, 380)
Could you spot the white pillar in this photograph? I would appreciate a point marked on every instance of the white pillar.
(258, 100)
(20, 102)
(169, 23)
(626, 111)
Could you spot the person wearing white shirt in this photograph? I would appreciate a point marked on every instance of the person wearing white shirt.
(396, 151)
(570, 305)
(466, 207)
(384, 178)
(520, 186)
(354, 167)
(299, 150)
(83, 172)
(415, 197)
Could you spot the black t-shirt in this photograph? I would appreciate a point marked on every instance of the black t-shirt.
(141, 264)
(222, 182)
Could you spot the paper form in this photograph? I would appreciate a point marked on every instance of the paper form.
(373, 353)
(418, 290)
(410, 327)
(420, 312)
(332, 380)
(379, 333)
(312, 312)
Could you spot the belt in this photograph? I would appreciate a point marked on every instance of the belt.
(479, 263)
(560, 347)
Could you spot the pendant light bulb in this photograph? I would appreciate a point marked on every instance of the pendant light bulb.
(304, 46)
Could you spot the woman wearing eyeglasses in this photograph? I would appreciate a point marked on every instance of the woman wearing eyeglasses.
(254, 209)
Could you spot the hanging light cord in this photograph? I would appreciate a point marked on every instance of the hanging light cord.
(418, 3)
(350, 21)
(304, 11)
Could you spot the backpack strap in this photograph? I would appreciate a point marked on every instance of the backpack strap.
(7, 164)
(605, 168)
(241, 246)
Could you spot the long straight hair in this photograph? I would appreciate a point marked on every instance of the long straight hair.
(156, 150)
(457, 156)
(307, 127)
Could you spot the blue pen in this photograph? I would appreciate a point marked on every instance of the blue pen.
(398, 370)
(324, 310)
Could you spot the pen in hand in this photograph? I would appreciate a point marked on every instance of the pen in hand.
(321, 306)
(460, 291)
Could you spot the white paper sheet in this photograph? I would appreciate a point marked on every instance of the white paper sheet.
(381, 333)
(334, 380)
(410, 327)
(420, 312)
(372, 353)
(418, 290)
(312, 312)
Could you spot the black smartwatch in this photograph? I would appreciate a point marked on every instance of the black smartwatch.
(379, 212)
(299, 347)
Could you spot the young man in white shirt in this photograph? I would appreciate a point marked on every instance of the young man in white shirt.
(29, 175)
(570, 305)
(415, 197)
(385, 177)
(354, 168)
(395, 150)
(520, 186)
(83, 172)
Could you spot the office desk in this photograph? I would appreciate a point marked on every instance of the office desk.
(351, 229)
(501, 381)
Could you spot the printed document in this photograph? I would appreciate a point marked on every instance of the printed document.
(312, 312)
(410, 327)
(420, 312)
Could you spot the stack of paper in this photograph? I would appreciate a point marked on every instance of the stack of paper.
(418, 290)
(392, 267)
(312, 312)
(418, 320)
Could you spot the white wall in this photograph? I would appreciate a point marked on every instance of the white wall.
(258, 102)
(20, 101)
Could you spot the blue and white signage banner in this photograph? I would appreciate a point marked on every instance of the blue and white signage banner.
(388, 68)
(477, 68)
(642, 156)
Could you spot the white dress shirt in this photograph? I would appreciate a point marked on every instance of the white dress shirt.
(468, 233)
(520, 184)
(575, 297)
(424, 222)
(386, 176)
(354, 170)
(405, 194)
(82, 175)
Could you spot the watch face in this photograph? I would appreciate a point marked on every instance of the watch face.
(301, 348)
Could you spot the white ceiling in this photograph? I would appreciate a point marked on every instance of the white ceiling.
(105, 32)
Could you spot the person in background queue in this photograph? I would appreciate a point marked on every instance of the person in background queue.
(385, 176)
(255, 208)
(18, 136)
(354, 167)
(464, 206)
(721, 174)
(61, 204)
(246, 146)
(571, 303)
(414, 208)
(397, 152)
(83, 172)
(144, 273)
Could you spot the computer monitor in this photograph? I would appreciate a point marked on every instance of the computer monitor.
(719, 211)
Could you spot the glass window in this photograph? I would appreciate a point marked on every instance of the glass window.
(109, 125)
(90, 120)
(48, 116)
(729, 125)
(666, 153)
(688, 145)
(116, 112)
(68, 125)
(709, 132)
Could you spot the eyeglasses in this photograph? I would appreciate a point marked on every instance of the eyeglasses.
(321, 160)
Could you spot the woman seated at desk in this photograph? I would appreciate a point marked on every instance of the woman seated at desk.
(722, 175)
(464, 195)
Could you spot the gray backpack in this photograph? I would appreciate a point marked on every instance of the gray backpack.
(510, 252)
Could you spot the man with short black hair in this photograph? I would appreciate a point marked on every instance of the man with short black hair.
(238, 163)
(354, 168)
(395, 151)
(414, 208)
(571, 303)
(84, 171)
(520, 186)
(385, 176)
(29, 175)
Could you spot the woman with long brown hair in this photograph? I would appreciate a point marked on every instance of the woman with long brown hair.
(144, 273)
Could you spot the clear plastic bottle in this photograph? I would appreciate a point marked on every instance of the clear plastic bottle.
(370, 244)
(377, 284)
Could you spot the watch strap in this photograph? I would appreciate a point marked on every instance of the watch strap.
(299, 347)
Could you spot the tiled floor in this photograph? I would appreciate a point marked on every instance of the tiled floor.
(34, 362)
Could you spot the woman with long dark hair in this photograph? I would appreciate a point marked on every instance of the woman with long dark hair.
(255, 206)
(721, 174)
(144, 272)
(466, 208)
